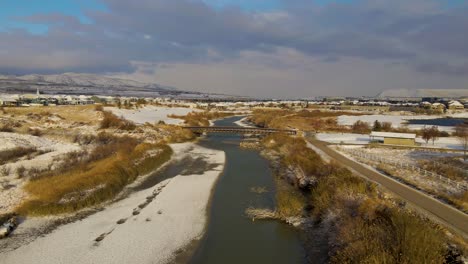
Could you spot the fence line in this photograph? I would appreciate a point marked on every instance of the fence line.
(463, 186)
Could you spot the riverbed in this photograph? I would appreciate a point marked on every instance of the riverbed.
(231, 237)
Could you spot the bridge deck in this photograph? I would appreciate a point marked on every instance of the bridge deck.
(238, 130)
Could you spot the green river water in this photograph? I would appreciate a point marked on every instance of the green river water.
(230, 236)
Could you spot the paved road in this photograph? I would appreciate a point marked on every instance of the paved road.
(445, 214)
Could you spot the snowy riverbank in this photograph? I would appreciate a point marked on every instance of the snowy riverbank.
(152, 114)
(244, 122)
(149, 226)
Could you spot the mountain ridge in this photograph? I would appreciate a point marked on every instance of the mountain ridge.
(82, 79)
(81, 83)
(419, 93)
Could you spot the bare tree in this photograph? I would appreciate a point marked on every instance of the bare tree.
(360, 127)
(387, 126)
(426, 134)
(461, 132)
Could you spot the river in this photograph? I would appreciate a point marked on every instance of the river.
(438, 121)
(230, 236)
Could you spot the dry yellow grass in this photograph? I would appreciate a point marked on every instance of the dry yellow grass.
(92, 183)
(70, 113)
(201, 118)
(289, 203)
(306, 120)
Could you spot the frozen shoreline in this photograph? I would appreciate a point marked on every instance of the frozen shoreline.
(170, 221)
(243, 122)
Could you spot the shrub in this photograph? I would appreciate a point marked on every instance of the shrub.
(391, 236)
(112, 121)
(201, 118)
(360, 127)
(98, 107)
(13, 154)
(5, 171)
(387, 126)
(6, 128)
(34, 173)
(21, 171)
(304, 120)
(447, 167)
(294, 152)
(290, 202)
(84, 139)
(444, 134)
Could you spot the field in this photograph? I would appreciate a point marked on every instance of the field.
(416, 170)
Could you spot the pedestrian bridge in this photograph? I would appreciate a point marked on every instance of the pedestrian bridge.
(238, 130)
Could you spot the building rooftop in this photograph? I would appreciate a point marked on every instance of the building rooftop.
(393, 135)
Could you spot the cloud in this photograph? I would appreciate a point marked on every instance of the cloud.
(289, 74)
(421, 35)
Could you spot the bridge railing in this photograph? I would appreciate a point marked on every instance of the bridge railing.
(244, 130)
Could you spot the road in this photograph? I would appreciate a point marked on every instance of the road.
(443, 213)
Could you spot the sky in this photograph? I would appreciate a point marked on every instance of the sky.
(260, 48)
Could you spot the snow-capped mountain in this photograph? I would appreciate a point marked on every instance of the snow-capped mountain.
(79, 79)
(77, 83)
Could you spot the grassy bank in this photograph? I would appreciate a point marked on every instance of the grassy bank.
(305, 120)
(201, 118)
(365, 226)
(87, 179)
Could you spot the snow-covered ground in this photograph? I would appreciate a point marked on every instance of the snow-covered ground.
(244, 123)
(398, 120)
(175, 217)
(152, 114)
(11, 191)
(363, 139)
(344, 138)
(406, 156)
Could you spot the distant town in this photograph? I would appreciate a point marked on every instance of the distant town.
(428, 105)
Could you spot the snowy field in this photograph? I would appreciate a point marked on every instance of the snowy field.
(363, 139)
(397, 120)
(407, 156)
(11, 186)
(152, 114)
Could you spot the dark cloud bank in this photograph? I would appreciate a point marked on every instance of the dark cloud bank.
(422, 35)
